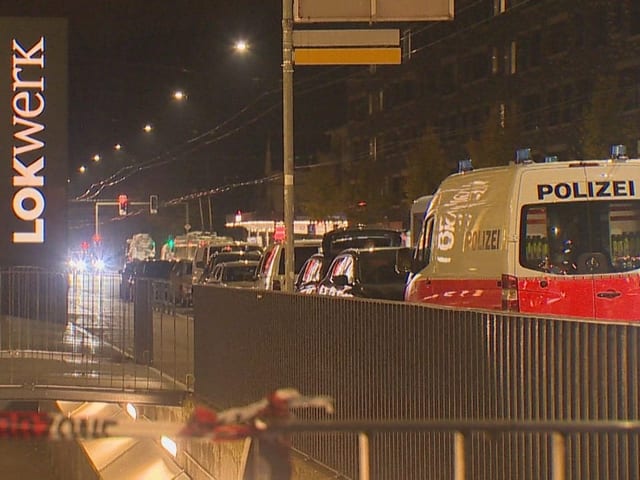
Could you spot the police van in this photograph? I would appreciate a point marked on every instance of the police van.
(553, 238)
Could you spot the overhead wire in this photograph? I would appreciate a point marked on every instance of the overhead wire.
(216, 133)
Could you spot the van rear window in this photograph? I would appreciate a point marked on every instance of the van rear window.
(581, 238)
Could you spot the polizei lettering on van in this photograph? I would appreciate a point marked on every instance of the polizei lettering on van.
(482, 240)
(597, 189)
(28, 105)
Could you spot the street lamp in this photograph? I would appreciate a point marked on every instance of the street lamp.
(96, 158)
(241, 46)
(179, 95)
(147, 128)
(82, 169)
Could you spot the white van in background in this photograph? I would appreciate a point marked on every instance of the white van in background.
(270, 272)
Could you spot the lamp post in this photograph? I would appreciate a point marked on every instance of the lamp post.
(287, 132)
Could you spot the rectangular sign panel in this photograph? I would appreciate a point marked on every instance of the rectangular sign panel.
(309, 11)
(347, 38)
(347, 56)
(33, 141)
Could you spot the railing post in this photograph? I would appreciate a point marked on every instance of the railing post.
(558, 453)
(363, 449)
(459, 465)
(142, 320)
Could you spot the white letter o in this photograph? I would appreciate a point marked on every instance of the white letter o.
(18, 203)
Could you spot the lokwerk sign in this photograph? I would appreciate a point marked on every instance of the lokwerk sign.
(33, 141)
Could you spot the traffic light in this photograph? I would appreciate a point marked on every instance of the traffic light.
(123, 204)
(153, 204)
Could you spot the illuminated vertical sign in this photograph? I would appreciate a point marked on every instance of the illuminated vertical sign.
(33, 141)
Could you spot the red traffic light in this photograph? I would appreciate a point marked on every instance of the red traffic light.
(123, 204)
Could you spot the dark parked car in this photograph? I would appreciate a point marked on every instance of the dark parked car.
(334, 242)
(181, 282)
(340, 239)
(239, 273)
(310, 274)
(153, 269)
(157, 269)
(365, 273)
(127, 274)
(228, 256)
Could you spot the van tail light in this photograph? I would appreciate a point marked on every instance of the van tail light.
(510, 293)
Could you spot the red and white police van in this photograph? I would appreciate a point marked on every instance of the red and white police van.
(557, 238)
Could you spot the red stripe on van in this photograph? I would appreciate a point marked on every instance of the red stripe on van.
(601, 297)
(476, 293)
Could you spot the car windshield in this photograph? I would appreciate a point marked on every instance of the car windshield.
(581, 238)
(239, 273)
(157, 269)
(379, 266)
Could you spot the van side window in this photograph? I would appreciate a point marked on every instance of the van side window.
(423, 248)
(581, 238)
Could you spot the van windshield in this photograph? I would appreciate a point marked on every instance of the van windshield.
(581, 238)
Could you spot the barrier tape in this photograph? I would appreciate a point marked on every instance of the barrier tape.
(232, 424)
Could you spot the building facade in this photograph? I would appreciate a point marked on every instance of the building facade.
(562, 75)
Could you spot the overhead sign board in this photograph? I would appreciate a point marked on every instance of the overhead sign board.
(347, 56)
(347, 38)
(347, 47)
(33, 141)
(318, 11)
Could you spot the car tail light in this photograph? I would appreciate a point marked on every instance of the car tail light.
(510, 293)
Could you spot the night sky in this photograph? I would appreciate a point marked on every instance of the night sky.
(126, 57)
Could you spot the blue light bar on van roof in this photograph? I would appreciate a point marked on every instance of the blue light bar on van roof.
(465, 166)
(523, 155)
(618, 151)
(550, 158)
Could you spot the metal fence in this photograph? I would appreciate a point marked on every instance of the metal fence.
(77, 336)
(392, 361)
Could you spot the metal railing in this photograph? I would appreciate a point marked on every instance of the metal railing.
(557, 431)
(393, 361)
(77, 335)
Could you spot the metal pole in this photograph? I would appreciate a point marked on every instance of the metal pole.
(287, 132)
(201, 214)
(210, 215)
(96, 220)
